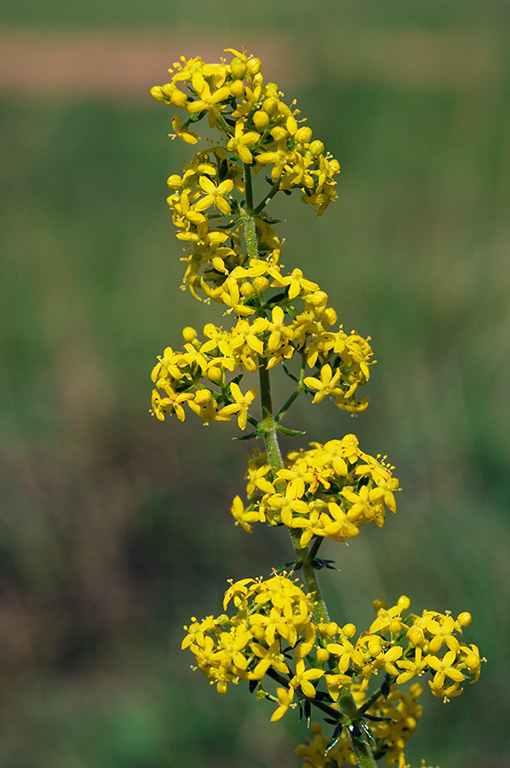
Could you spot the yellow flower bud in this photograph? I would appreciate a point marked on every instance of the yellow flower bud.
(322, 655)
(403, 602)
(378, 604)
(329, 316)
(283, 109)
(464, 619)
(174, 181)
(247, 290)
(303, 135)
(319, 298)
(291, 125)
(278, 133)
(237, 88)
(332, 628)
(316, 147)
(349, 630)
(270, 105)
(202, 396)
(238, 67)
(189, 334)
(157, 93)
(254, 66)
(374, 646)
(260, 120)
(394, 626)
(472, 662)
(178, 99)
(260, 284)
(257, 79)
(214, 374)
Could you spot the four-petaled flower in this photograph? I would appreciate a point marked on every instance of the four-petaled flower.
(214, 195)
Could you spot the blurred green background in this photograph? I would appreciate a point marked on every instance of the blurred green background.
(115, 528)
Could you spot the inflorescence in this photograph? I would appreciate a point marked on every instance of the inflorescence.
(278, 631)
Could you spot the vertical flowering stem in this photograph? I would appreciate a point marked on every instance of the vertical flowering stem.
(273, 452)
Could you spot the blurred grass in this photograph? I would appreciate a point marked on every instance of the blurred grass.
(114, 528)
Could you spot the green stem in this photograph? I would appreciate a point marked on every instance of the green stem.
(373, 698)
(305, 555)
(268, 421)
(299, 388)
(362, 749)
(272, 192)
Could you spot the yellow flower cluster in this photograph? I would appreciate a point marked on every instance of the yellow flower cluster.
(274, 616)
(399, 715)
(405, 647)
(270, 614)
(186, 376)
(260, 129)
(279, 315)
(330, 490)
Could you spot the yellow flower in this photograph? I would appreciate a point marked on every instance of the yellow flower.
(444, 668)
(302, 678)
(215, 195)
(206, 101)
(182, 131)
(326, 385)
(242, 516)
(243, 403)
(285, 698)
(240, 142)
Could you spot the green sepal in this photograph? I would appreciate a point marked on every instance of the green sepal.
(289, 432)
(333, 740)
(250, 436)
(319, 562)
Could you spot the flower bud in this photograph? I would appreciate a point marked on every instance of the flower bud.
(174, 181)
(247, 289)
(157, 93)
(378, 604)
(272, 90)
(464, 619)
(415, 635)
(329, 316)
(349, 630)
(291, 125)
(254, 66)
(403, 602)
(319, 298)
(189, 334)
(316, 147)
(322, 655)
(303, 135)
(270, 105)
(237, 88)
(238, 67)
(278, 133)
(260, 120)
(202, 396)
(214, 374)
(178, 99)
(394, 626)
(260, 284)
